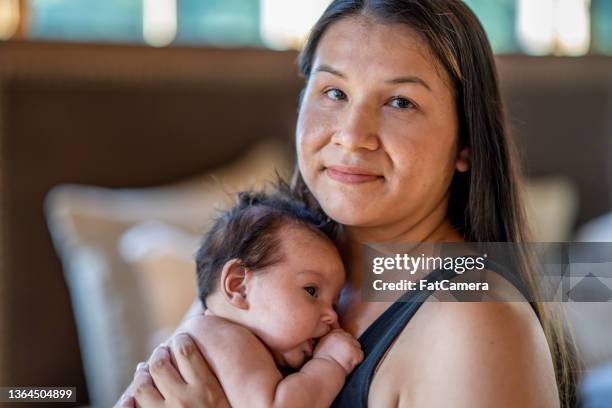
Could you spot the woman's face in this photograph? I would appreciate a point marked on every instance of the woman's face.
(377, 130)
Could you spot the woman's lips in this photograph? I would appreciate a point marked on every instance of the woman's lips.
(350, 175)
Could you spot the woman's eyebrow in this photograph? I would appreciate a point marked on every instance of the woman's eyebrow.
(411, 79)
(330, 70)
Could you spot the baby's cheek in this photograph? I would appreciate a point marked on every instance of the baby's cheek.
(281, 334)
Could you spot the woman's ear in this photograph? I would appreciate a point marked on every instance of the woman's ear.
(464, 159)
(234, 282)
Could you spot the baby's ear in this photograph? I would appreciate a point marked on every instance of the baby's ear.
(234, 280)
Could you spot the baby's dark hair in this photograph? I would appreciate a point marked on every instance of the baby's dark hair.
(249, 232)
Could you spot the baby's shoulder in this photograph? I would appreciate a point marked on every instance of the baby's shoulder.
(211, 329)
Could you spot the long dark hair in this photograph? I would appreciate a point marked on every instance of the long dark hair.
(485, 203)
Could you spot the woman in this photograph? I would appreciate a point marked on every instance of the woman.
(401, 138)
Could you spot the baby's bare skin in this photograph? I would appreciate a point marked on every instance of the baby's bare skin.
(251, 377)
(279, 315)
(259, 320)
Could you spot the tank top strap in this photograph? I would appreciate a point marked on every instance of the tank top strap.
(378, 337)
(381, 334)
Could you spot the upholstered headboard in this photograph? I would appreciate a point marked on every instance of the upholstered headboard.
(122, 116)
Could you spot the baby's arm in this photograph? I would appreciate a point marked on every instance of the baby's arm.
(250, 378)
(320, 380)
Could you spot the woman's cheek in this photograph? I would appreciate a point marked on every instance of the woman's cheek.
(418, 169)
(313, 133)
(315, 123)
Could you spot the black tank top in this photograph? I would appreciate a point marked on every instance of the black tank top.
(378, 337)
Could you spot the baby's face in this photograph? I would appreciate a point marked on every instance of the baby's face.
(291, 303)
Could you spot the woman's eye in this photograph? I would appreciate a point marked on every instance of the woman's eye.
(401, 103)
(335, 94)
(311, 290)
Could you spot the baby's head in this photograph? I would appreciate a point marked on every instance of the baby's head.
(270, 264)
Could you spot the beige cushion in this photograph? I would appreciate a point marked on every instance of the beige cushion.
(162, 257)
(551, 206)
(121, 302)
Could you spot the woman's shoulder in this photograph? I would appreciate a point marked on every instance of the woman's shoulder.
(481, 353)
(479, 324)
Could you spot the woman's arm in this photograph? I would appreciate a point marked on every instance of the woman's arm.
(194, 381)
(475, 355)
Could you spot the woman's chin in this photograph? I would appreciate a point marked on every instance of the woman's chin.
(350, 216)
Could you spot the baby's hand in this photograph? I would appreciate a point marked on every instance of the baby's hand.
(340, 347)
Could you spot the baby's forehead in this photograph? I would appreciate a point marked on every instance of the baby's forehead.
(296, 230)
(310, 252)
(299, 240)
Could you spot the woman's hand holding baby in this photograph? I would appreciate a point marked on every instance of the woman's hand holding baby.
(341, 348)
(176, 375)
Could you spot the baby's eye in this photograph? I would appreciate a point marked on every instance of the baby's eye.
(311, 290)
(402, 103)
(335, 94)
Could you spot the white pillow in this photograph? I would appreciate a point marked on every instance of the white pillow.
(162, 258)
(110, 305)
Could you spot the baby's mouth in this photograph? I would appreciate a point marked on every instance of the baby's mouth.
(311, 346)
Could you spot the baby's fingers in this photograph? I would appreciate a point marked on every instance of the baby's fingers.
(355, 342)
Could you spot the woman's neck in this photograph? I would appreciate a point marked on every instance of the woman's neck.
(355, 313)
(435, 227)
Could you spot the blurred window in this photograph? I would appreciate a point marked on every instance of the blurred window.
(558, 27)
(536, 27)
(498, 19)
(86, 20)
(220, 22)
(602, 26)
(10, 16)
(156, 22)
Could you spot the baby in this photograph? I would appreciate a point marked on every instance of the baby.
(269, 276)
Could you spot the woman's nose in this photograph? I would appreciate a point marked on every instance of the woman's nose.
(357, 128)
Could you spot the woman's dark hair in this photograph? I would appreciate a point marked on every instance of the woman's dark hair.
(249, 232)
(485, 203)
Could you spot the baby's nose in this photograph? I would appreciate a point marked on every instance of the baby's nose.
(330, 317)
